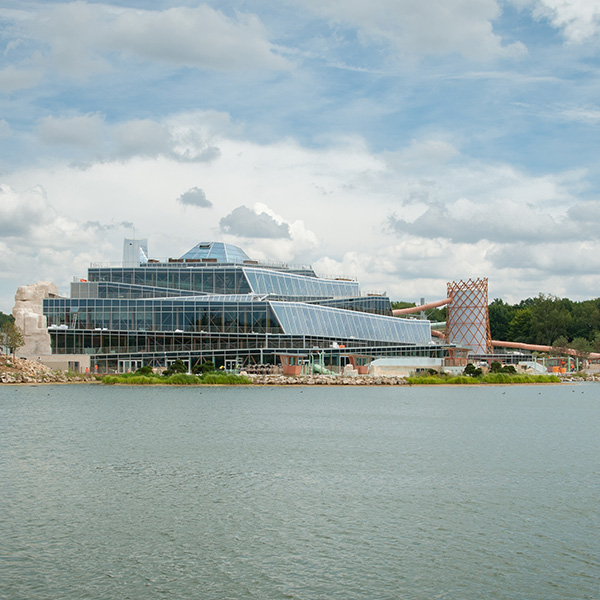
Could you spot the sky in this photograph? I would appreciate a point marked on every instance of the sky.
(406, 143)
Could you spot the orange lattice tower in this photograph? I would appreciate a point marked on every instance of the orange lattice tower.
(467, 318)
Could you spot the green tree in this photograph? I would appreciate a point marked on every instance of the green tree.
(472, 371)
(560, 345)
(397, 304)
(520, 326)
(550, 318)
(177, 366)
(496, 367)
(11, 337)
(501, 314)
(145, 371)
(585, 319)
(582, 346)
(205, 367)
(436, 315)
(5, 319)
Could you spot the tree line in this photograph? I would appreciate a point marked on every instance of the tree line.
(548, 320)
(545, 319)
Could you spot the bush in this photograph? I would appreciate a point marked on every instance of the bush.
(491, 378)
(216, 378)
(146, 370)
(176, 367)
(472, 371)
(206, 367)
(182, 379)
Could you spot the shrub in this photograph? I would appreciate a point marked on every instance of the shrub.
(216, 378)
(176, 367)
(206, 367)
(472, 371)
(146, 370)
(182, 379)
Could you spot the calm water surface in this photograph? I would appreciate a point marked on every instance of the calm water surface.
(299, 493)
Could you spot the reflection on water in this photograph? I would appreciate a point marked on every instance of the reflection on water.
(299, 492)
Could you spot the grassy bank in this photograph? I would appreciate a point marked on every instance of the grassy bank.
(213, 378)
(490, 378)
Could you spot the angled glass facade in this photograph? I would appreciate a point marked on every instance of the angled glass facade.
(265, 281)
(204, 306)
(305, 319)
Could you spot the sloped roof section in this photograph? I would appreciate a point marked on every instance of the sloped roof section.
(219, 251)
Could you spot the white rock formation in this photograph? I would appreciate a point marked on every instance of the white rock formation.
(29, 317)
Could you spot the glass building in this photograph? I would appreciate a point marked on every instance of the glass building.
(215, 303)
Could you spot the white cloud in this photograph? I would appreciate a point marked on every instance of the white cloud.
(196, 37)
(433, 27)
(13, 78)
(503, 221)
(194, 197)
(579, 20)
(78, 130)
(5, 130)
(455, 217)
(128, 139)
(20, 213)
(290, 248)
(36, 243)
(85, 38)
(141, 137)
(246, 223)
(590, 116)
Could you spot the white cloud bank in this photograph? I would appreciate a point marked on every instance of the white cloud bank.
(82, 38)
(405, 222)
(433, 27)
(579, 20)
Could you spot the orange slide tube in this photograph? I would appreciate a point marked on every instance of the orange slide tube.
(538, 348)
(414, 309)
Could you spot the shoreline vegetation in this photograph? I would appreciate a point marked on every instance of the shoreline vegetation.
(233, 379)
(18, 371)
(211, 378)
(489, 379)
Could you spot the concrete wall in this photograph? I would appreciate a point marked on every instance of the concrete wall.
(403, 367)
(62, 362)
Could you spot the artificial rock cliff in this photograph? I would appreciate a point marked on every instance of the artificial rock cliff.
(29, 317)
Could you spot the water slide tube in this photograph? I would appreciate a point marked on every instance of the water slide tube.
(539, 348)
(413, 309)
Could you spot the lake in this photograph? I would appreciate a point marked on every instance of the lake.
(299, 492)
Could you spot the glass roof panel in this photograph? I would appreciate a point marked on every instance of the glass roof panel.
(222, 252)
(310, 319)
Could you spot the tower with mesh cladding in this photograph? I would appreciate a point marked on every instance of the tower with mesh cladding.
(467, 318)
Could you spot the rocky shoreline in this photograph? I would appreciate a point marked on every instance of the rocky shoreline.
(18, 370)
(325, 380)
